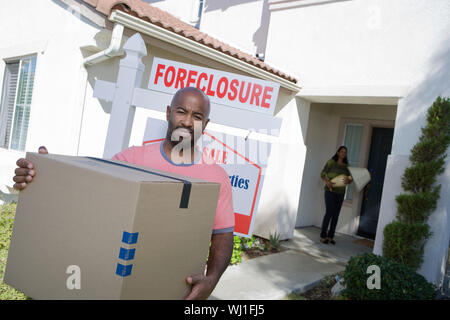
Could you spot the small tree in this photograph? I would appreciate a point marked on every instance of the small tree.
(404, 239)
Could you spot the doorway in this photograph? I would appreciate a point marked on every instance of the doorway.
(380, 148)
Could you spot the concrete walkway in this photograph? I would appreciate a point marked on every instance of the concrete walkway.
(304, 263)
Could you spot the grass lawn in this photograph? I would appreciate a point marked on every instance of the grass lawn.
(7, 212)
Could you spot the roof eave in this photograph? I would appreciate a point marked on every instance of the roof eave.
(160, 33)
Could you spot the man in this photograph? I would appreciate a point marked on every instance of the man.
(188, 112)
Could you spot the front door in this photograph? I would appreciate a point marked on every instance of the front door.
(380, 148)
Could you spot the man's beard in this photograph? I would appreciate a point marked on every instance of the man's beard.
(182, 135)
(183, 145)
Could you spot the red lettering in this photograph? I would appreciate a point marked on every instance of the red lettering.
(190, 78)
(167, 83)
(224, 92)
(202, 76)
(266, 96)
(256, 92)
(209, 92)
(233, 89)
(181, 76)
(224, 157)
(241, 98)
(217, 152)
(205, 156)
(205, 152)
(158, 72)
(215, 155)
(212, 154)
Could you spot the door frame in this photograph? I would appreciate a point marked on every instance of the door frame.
(368, 124)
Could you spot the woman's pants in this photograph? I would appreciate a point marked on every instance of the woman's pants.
(333, 203)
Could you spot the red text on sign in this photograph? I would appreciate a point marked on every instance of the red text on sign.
(246, 92)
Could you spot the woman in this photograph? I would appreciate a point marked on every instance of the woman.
(334, 192)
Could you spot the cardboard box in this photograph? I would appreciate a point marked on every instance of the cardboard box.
(131, 234)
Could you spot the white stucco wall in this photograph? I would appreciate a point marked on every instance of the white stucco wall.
(242, 24)
(357, 42)
(55, 34)
(277, 209)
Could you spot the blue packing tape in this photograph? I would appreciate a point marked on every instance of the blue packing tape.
(130, 238)
(123, 270)
(126, 254)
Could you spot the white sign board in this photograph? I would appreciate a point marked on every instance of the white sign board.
(223, 88)
(244, 160)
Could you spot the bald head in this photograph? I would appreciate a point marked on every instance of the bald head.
(191, 93)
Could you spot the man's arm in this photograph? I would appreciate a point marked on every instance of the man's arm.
(220, 253)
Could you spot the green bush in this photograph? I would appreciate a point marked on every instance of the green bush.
(416, 207)
(405, 238)
(237, 250)
(242, 244)
(407, 248)
(421, 176)
(397, 282)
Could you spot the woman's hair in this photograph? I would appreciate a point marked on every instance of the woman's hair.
(336, 157)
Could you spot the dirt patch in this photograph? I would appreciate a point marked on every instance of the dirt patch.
(365, 242)
(320, 292)
(263, 248)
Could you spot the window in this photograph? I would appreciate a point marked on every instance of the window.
(16, 102)
(352, 140)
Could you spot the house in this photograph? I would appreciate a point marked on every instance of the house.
(354, 73)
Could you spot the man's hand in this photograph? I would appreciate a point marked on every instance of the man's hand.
(202, 286)
(220, 253)
(25, 171)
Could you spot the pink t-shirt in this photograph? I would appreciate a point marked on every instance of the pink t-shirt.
(153, 156)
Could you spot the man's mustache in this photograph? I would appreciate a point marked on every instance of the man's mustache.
(191, 131)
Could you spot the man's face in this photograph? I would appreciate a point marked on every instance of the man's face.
(188, 112)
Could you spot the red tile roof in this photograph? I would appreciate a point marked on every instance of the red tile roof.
(167, 21)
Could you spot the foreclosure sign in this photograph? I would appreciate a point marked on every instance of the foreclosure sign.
(244, 160)
(223, 88)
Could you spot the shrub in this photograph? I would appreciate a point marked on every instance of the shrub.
(418, 206)
(237, 250)
(274, 240)
(397, 282)
(405, 238)
(7, 212)
(244, 244)
(406, 242)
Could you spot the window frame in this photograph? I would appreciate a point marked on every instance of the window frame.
(6, 61)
